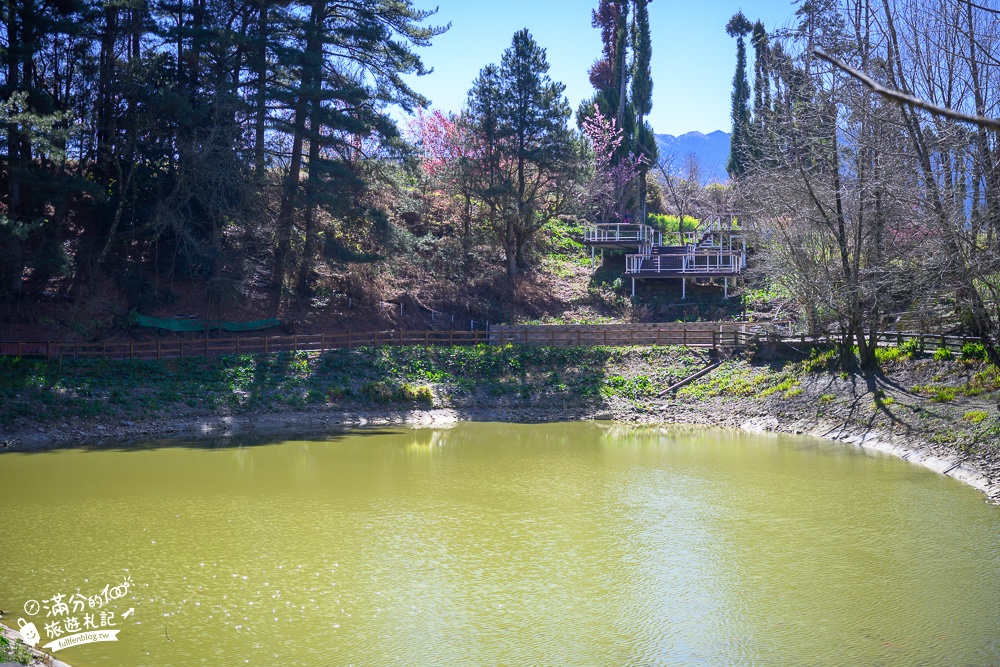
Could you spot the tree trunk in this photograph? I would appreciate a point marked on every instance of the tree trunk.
(510, 250)
(290, 192)
(105, 97)
(312, 191)
(260, 97)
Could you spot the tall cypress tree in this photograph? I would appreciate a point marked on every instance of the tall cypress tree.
(761, 89)
(642, 96)
(739, 147)
(624, 84)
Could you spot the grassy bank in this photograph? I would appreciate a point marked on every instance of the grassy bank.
(39, 392)
(943, 406)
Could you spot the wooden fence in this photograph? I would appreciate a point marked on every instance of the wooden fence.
(210, 347)
(926, 341)
(696, 335)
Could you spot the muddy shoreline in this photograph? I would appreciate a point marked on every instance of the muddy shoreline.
(979, 472)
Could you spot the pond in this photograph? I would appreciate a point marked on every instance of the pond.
(487, 543)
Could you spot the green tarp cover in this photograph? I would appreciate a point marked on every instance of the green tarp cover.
(171, 324)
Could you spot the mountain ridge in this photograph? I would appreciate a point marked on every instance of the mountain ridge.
(711, 151)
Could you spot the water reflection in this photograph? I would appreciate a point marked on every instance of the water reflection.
(519, 544)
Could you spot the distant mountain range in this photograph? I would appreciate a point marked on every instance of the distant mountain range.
(712, 151)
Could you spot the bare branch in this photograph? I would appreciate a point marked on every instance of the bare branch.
(991, 10)
(902, 98)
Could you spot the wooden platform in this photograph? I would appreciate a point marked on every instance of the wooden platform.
(715, 249)
(621, 237)
(685, 263)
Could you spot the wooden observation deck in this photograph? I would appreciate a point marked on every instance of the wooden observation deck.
(615, 236)
(715, 249)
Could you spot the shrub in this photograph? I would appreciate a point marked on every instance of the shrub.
(943, 354)
(785, 385)
(378, 392)
(973, 352)
(827, 398)
(17, 652)
(409, 392)
(910, 348)
(944, 395)
(881, 400)
(819, 361)
(884, 355)
(336, 394)
(616, 385)
(976, 416)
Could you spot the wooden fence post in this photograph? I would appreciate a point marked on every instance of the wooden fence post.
(295, 342)
(684, 331)
(451, 339)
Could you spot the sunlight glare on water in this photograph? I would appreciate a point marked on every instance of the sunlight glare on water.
(557, 544)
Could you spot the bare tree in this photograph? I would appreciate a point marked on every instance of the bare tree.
(682, 190)
(878, 176)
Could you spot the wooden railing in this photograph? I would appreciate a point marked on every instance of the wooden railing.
(621, 233)
(696, 334)
(926, 342)
(690, 263)
(211, 347)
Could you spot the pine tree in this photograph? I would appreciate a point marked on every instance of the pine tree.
(349, 71)
(517, 116)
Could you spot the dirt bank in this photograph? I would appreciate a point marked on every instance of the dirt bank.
(942, 415)
(38, 658)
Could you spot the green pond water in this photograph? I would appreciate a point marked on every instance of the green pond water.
(490, 544)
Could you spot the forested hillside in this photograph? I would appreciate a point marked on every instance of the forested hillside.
(242, 160)
(225, 145)
(867, 152)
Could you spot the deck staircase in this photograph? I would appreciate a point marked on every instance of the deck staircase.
(716, 248)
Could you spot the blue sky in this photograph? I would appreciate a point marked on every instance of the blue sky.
(693, 58)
